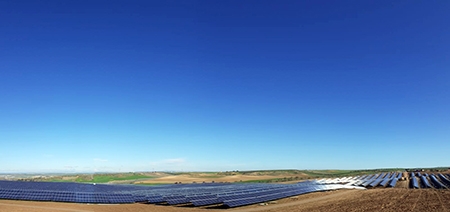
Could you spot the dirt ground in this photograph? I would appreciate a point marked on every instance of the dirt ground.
(394, 199)
(199, 179)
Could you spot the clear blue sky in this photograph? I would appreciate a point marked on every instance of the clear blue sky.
(223, 85)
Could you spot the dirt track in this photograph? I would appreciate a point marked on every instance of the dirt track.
(346, 200)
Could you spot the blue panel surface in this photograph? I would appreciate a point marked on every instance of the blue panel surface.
(414, 183)
(436, 183)
(393, 182)
(425, 182)
(203, 202)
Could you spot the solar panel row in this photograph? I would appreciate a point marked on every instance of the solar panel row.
(393, 182)
(269, 197)
(200, 197)
(181, 200)
(383, 179)
(375, 182)
(203, 202)
(439, 180)
(436, 182)
(445, 180)
(425, 182)
(414, 182)
(385, 182)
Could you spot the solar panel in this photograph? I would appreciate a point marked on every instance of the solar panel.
(414, 182)
(203, 202)
(375, 182)
(155, 199)
(393, 182)
(436, 182)
(444, 180)
(367, 182)
(120, 198)
(385, 181)
(240, 202)
(425, 182)
(140, 198)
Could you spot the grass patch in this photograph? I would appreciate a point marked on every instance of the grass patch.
(109, 178)
(100, 178)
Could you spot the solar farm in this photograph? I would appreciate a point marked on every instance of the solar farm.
(226, 194)
(211, 195)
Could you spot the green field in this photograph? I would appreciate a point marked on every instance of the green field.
(101, 178)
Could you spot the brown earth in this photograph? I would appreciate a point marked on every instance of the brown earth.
(190, 179)
(397, 199)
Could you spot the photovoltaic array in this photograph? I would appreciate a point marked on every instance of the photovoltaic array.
(416, 179)
(228, 194)
(203, 194)
(429, 180)
(369, 181)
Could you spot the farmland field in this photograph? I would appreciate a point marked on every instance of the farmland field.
(263, 176)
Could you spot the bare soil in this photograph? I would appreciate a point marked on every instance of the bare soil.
(375, 200)
(199, 179)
